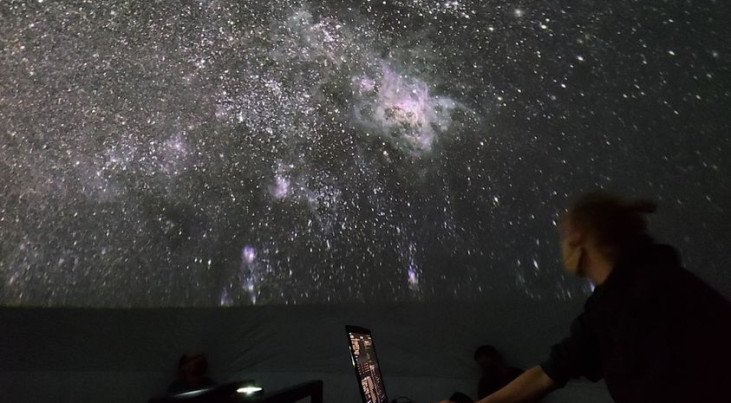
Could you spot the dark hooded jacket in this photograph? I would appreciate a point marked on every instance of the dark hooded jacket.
(653, 331)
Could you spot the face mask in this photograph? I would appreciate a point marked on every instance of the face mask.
(571, 255)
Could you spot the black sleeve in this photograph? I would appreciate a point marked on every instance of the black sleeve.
(574, 356)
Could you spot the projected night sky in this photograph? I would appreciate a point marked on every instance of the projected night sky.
(217, 153)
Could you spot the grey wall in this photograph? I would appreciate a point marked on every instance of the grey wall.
(90, 355)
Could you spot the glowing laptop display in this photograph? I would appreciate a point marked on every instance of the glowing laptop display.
(367, 370)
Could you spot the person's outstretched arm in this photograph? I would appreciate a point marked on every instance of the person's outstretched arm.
(530, 386)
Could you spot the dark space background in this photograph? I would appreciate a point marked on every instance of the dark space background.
(206, 153)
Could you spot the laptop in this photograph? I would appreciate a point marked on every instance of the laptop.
(367, 370)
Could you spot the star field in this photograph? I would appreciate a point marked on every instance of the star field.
(218, 153)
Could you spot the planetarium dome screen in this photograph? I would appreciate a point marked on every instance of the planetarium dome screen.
(228, 153)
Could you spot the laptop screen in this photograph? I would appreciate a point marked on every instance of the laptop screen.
(363, 353)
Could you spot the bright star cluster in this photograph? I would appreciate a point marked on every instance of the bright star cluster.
(219, 153)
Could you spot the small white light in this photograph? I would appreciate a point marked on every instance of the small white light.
(248, 390)
(192, 393)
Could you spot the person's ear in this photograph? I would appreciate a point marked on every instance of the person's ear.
(572, 250)
(574, 238)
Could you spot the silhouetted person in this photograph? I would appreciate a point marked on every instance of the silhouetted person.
(192, 370)
(652, 330)
(495, 374)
